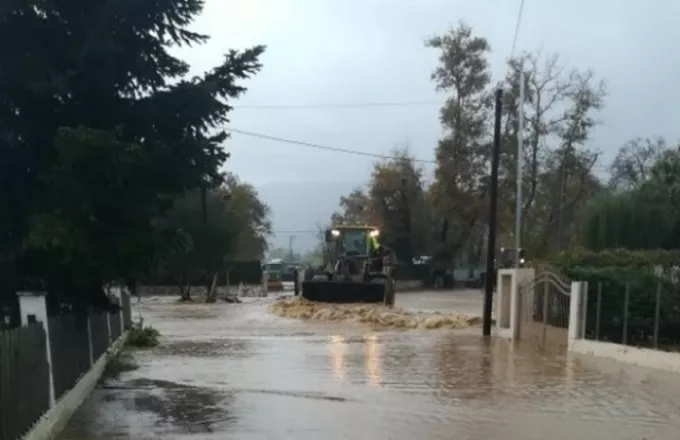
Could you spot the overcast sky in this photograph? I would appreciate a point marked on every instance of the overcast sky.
(365, 51)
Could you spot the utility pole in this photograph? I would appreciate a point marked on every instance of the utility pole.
(493, 208)
(290, 247)
(562, 199)
(520, 157)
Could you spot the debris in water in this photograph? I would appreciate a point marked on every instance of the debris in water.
(374, 315)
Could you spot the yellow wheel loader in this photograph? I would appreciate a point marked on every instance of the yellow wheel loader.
(357, 268)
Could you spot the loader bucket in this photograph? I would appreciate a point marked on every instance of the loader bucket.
(343, 292)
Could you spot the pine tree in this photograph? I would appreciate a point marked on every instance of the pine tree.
(100, 126)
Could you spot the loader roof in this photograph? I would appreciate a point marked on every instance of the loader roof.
(339, 227)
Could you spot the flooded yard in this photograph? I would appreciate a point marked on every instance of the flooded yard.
(235, 371)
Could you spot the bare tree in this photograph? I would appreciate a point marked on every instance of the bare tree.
(559, 112)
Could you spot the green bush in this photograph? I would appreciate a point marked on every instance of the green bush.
(614, 258)
(143, 337)
(121, 363)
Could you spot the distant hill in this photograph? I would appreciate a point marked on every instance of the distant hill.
(301, 206)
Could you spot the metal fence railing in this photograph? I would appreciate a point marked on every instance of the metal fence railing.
(70, 350)
(75, 341)
(24, 380)
(641, 315)
(99, 330)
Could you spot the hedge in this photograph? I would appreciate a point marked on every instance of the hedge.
(615, 258)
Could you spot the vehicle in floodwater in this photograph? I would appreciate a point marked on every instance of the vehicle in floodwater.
(508, 256)
(274, 270)
(356, 267)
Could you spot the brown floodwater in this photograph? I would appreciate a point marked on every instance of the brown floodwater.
(235, 371)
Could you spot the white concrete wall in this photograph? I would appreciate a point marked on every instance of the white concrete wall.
(643, 357)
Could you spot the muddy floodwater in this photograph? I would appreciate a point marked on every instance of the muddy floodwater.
(234, 371)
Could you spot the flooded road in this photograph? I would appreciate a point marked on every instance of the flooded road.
(232, 371)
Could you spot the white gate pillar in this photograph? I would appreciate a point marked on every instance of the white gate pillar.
(509, 300)
(577, 312)
(33, 305)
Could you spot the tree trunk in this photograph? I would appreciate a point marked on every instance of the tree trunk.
(212, 291)
(185, 288)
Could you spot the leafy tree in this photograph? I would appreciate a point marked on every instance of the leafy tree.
(461, 182)
(354, 208)
(632, 165)
(100, 129)
(646, 216)
(229, 224)
(252, 219)
(397, 198)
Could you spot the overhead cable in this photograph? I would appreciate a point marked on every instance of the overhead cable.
(321, 147)
(339, 105)
(517, 26)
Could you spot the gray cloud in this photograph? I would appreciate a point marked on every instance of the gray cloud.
(334, 51)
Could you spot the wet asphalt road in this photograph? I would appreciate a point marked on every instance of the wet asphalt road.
(232, 371)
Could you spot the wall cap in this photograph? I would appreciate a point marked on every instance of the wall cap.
(31, 293)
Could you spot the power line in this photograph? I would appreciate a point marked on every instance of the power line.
(339, 105)
(517, 25)
(320, 147)
(343, 150)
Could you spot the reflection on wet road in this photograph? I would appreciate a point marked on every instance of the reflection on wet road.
(231, 371)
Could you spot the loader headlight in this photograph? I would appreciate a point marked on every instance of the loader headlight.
(335, 233)
(521, 260)
(374, 233)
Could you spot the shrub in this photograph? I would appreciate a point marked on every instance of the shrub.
(143, 337)
(119, 364)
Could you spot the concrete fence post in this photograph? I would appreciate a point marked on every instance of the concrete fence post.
(108, 326)
(577, 312)
(515, 306)
(584, 308)
(265, 283)
(117, 292)
(32, 305)
(89, 340)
